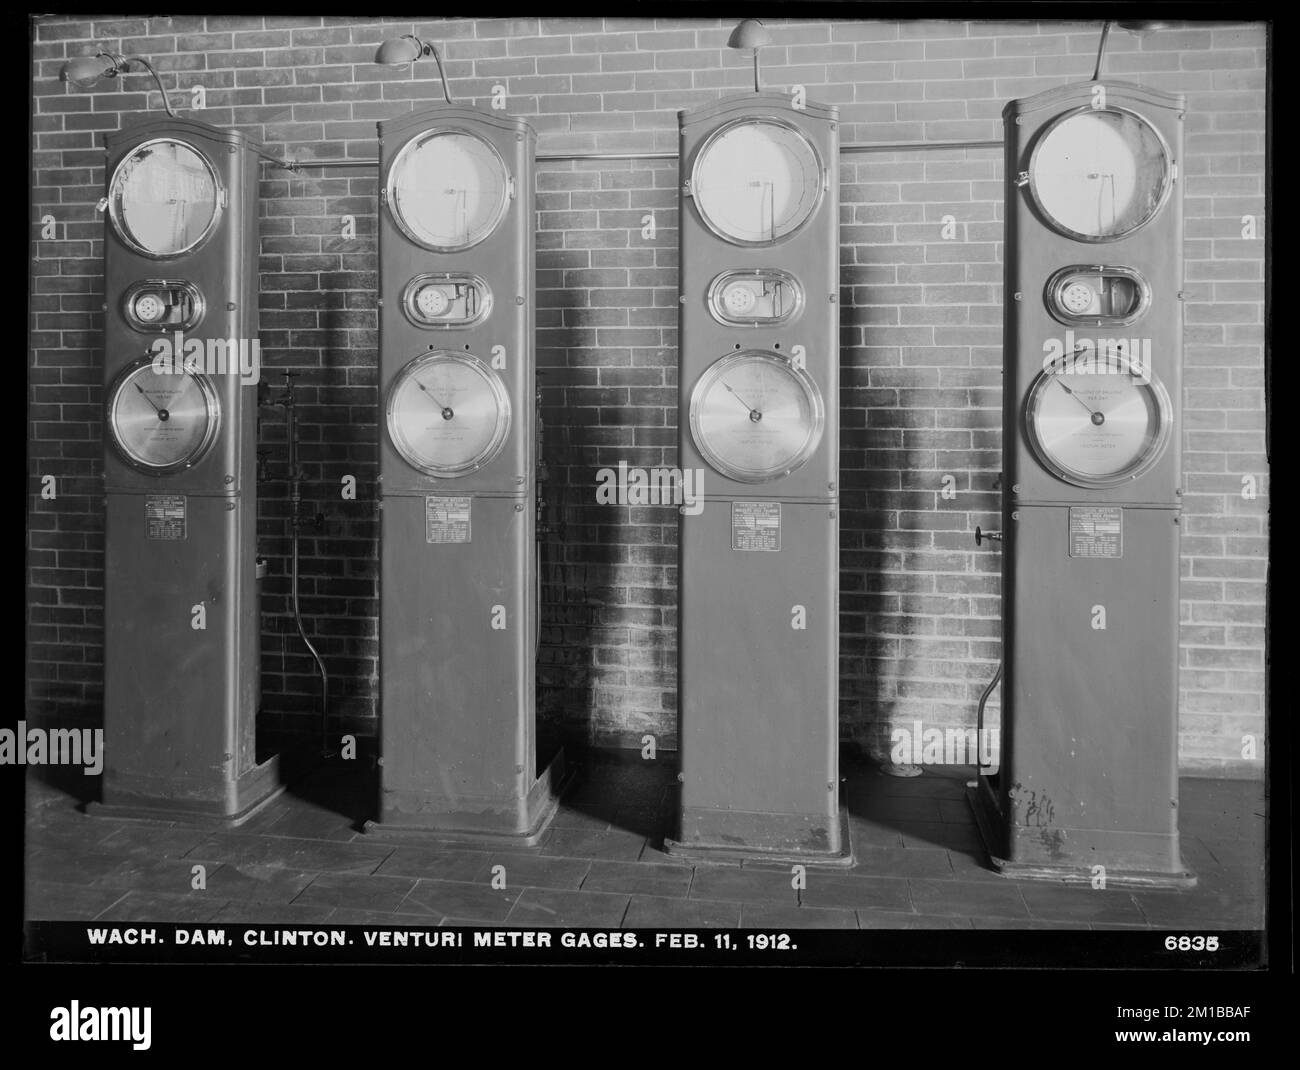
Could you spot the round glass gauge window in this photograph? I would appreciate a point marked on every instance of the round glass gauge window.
(448, 190)
(755, 417)
(756, 181)
(160, 421)
(1098, 175)
(1097, 421)
(164, 198)
(448, 413)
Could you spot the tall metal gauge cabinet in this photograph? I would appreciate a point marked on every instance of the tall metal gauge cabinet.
(759, 340)
(1087, 784)
(181, 634)
(457, 457)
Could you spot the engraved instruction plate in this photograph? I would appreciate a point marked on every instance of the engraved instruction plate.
(164, 516)
(756, 525)
(1096, 531)
(446, 519)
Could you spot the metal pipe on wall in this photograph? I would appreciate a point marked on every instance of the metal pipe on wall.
(883, 146)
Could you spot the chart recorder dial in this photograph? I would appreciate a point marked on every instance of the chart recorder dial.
(755, 416)
(448, 413)
(1097, 421)
(164, 199)
(448, 190)
(1098, 175)
(756, 181)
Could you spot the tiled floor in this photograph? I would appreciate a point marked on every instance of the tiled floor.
(919, 865)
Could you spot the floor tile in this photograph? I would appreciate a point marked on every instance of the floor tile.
(941, 834)
(51, 901)
(249, 914)
(138, 841)
(873, 832)
(534, 871)
(890, 919)
(477, 903)
(258, 883)
(290, 853)
(1029, 923)
(967, 898)
(158, 907)
(549, 909)
(852, 892)
(362, 892)
(312, 823)
(596, 821)
(1174, 910)
(584, 843)
(638, 878)
(743, 885)
(653, 912)
(438, 863)
(1053, 902)
(901, 862)
(779, 916)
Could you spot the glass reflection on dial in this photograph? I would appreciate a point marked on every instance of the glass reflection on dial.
(1095, 423)
(161, 421)
(755, 417)
(448, 190)
(756, 181)
(448, 413)
(1099, 175)
(163, 199)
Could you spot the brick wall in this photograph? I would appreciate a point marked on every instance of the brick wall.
(921, 336)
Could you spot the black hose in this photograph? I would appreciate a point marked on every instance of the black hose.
(295, 498)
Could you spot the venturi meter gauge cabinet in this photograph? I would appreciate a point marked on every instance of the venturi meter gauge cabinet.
(182, 623)
(1087, 783)
(458, 603)
(759, 226)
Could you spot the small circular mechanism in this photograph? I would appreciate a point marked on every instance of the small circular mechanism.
(755, 417)
(1097, 420)
(738, 298)
(448, 189)
(448, 413)
(148, 308)
(756, 181)
(164, 198)
(161, 421)
(431, 302)
(1077, 297)
(1097, 175)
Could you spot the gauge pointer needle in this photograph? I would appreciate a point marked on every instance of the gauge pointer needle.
(754, 414)
(447, 412)
(1097, 417)
(163, 414)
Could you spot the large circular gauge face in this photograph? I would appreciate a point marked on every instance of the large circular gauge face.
(164, 198)
(756, 417)
(161, 422)
(1097, 422)
(756, 181)
(448, 413)
(448, 190)
(1098, 175)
